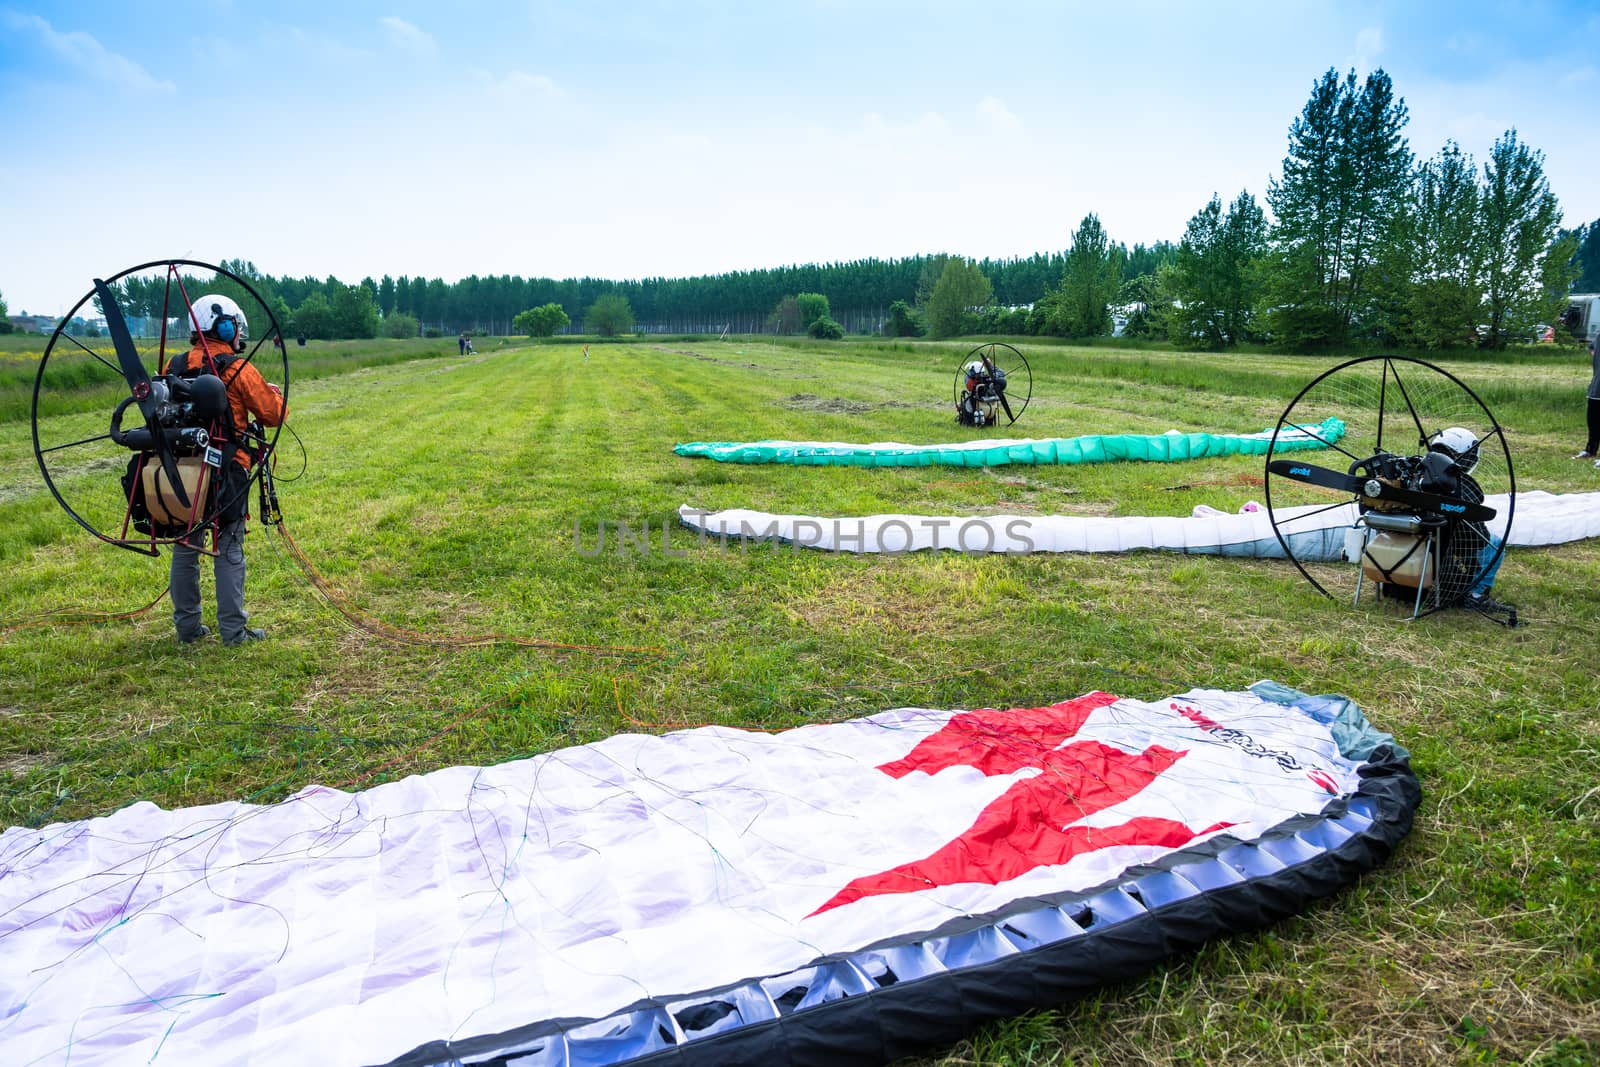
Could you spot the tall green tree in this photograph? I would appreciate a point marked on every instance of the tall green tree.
(542, 321)
(931, 270)
(1090, 281)
(609, 315)
(961, 292)
(812, 306)
(355, 311)
(314, 318)
(785, 318)
(1526, 267)
(1586, 261)
(1214, 279)
(1434, 267)
(1150, 302)
(903, 321)
(1345, 182)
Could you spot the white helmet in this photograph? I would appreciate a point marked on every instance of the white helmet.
(1460, 444)
(220, 317)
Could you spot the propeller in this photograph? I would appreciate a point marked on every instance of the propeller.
(991, 384)
(1373, 489)
(999, 377)
(139, 384)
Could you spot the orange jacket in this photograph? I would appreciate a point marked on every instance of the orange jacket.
(248, 392)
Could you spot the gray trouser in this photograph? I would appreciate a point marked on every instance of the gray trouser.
(228, 567)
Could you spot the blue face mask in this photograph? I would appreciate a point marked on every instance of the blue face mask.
(226, 330)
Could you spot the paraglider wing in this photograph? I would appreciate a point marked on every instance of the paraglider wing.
(840, 893)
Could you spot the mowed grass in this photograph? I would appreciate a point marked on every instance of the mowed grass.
(451, 497)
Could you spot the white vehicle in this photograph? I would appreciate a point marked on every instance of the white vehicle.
(1582, 317)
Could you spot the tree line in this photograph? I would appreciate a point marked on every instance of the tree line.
(1364, 244)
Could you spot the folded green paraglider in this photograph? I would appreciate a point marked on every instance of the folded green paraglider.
(1090, 448)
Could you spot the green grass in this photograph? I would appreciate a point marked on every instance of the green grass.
(442, 495)
(76, 382)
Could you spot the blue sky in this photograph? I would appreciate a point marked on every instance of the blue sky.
(634, 139)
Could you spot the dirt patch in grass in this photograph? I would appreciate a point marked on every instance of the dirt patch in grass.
(1238, 480)
(700, 356)
(61, 472)
(838, 405)
(448, 367)
(17, 766)
(1465, 991)
(372, 673)
(1083, 509)
(867, 600)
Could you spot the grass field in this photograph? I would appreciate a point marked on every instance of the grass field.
(443, 495)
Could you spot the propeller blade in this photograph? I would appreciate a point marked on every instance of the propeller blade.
(1372, 489)
(127, 355)
(133, 370)
(1003, 403)
(169, 463)
(1312, 474)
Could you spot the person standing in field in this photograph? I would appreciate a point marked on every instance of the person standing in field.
(218, 337)
(461, 343)
(1591, 450)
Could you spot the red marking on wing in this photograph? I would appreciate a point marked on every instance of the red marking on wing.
(1052, 847)
(1323, 779)
(1029, 825)
(1196, 716)
(998, 742)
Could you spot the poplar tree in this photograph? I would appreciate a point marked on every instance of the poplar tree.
(1586, 262)
(1214, 277)
(1345, 182)
(1436, 263)
(609, 315)
(1526, 267)
(1090, 280)
(960, 290)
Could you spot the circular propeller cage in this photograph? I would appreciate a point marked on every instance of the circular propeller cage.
(1357, 428)
(82, 379)
(999, 392)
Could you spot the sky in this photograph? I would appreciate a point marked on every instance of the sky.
(673, 138)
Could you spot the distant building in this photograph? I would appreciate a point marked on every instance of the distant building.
(33, 323)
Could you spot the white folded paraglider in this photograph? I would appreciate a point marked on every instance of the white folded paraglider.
(839, 893)
(1541, 519)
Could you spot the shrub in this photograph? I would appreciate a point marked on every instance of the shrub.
(825, 329)
(399, 324)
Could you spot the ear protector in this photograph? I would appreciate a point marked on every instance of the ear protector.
(226, 329)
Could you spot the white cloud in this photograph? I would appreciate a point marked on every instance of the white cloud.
(403, 35)
(87, 55)
(310, 48)
(516, 88)
(925, 131)
(520, 83)
(994, 114)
